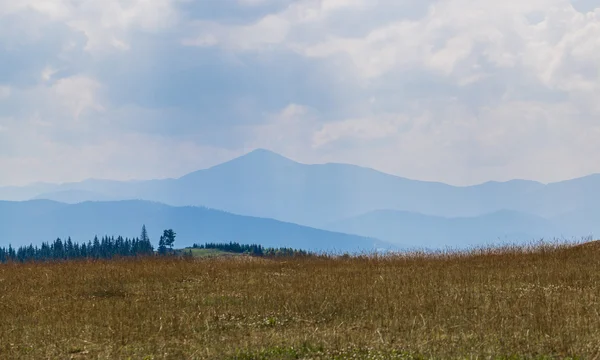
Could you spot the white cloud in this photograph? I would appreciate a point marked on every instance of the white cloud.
(106, 24)
(48, 72)
(361, 129)
(472, 32)
(253, 2)
(287, 131)
(455, 38)
(268, 30)
(5, 92)
(465, 43)
(114, 158)
(272, 29)
(202, 41)
(77, 94)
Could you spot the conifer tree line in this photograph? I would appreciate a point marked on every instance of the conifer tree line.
(109, 247)
(253, 249)
(104, 248)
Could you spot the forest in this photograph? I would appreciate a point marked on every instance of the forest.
(106, 247)
(253, 249)
(109, 247)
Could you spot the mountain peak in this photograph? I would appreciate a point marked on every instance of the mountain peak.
(260, 153)
(260, 157)
(256, 160)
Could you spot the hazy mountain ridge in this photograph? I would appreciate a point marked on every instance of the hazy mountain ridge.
(74, 196)
(267, 185)
(418, 230)
(43, 220)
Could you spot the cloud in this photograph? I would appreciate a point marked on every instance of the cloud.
(272, 29)
(4, 92)
(461, 91)
(362, 129)
(287, 131)
(104, 23)
(124, 156)
(77, 94)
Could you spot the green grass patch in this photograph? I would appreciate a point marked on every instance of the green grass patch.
(209, 253)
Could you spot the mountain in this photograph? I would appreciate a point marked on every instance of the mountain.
(262, 183)
(19, 193)
(583, 220)
(73, 196)
(265, 184)
(418, 230)
(43, 220)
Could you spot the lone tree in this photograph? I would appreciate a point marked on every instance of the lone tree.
(166, 240)
(144, 235)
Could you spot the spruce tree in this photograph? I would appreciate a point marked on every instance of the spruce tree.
(144, 235)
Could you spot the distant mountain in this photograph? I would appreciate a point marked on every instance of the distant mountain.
(42, 220)
(19, 193)
(265, 184)
(74, 196)
(584, 220)
(417, 230)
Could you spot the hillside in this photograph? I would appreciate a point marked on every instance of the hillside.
(511, 303)
(43, 220)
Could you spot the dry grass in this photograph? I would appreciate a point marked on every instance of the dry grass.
(507, 303)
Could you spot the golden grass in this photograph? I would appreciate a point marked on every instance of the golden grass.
(504, 303)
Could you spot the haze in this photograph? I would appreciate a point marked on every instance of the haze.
(457, 91)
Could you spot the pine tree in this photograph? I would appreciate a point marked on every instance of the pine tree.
(144, 235)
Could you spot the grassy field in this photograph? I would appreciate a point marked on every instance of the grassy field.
(500, 304)
(209, 253)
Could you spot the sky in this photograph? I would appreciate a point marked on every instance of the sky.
(458, 91)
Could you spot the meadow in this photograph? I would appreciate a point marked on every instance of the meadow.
(537, 302)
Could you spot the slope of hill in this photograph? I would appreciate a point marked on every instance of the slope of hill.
(42, 220)
(417, 230)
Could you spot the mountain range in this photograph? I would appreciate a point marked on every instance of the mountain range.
(43, 220)
(431, 232)
(358, 200)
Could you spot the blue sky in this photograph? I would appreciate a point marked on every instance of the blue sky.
(460, 91)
